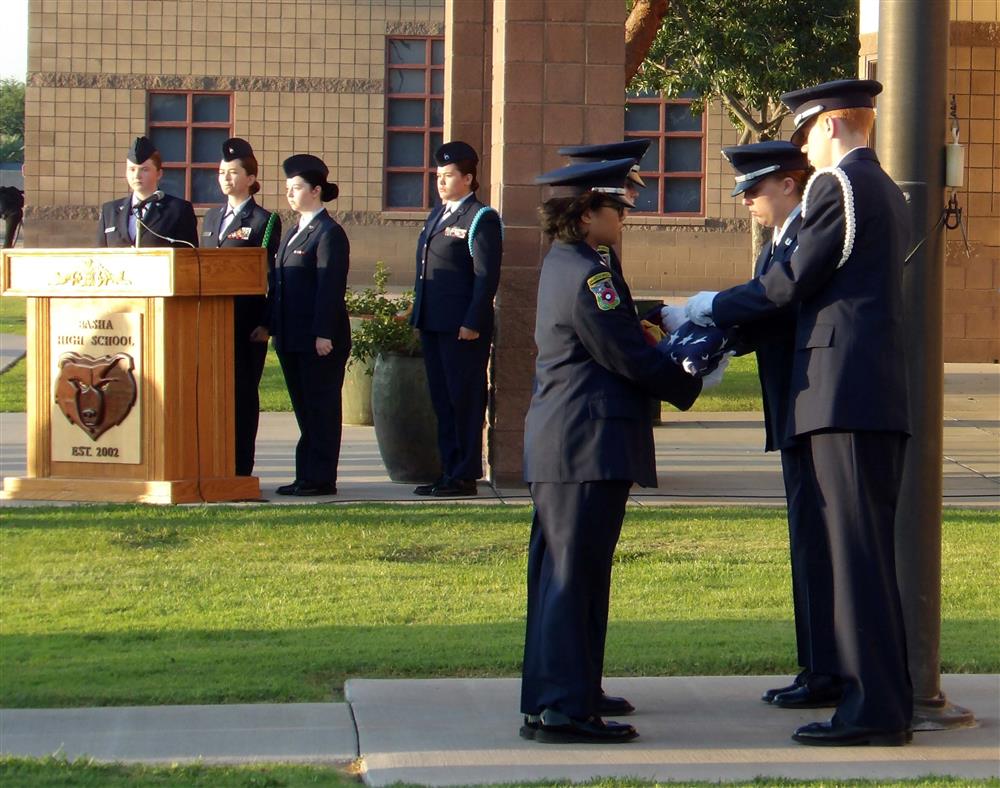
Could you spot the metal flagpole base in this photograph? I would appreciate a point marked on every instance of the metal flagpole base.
(939, 714)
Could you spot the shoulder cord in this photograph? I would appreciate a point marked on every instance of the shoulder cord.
(475, 223)
(269, 229)
(850, 226)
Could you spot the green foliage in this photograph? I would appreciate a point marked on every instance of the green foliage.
(746, 53)
(11, 120)
(124, 605)
(382, 328)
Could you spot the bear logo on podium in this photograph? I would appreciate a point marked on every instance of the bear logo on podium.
(96, 394)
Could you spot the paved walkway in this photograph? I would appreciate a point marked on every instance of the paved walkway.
(464, 731)
(702, 457)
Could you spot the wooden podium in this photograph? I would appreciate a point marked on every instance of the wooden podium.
(130, 372)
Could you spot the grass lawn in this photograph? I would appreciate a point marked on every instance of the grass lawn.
(12, 315)
(111, 605)
(17, 772)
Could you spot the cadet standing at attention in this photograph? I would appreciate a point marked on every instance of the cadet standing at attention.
(242, 222)
(147, 217)
(588, 436)
(770, 178)
(849, 407)
(309, 323)
(458, 271)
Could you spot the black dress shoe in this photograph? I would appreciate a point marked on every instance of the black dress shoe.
(288, 489)
(304, 489)
(428, 489)
(455, 488)
(809, 697)
(613, 706)
(592, 731)
(826, 734)
(530, 726)
(799, 681)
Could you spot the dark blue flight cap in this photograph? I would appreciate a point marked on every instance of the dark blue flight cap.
(454, 151)
(142, 148)
(236, 148)
(303, 163)
(807, 103)
(753, 163)
(602, 177)
(606, 151)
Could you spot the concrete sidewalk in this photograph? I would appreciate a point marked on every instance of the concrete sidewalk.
(713, 458)
(464, 731)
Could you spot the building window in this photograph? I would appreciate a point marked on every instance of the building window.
(188, 129)
(414, 119)
(674, 166)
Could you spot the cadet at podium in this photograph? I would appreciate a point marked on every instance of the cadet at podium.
(148, 217)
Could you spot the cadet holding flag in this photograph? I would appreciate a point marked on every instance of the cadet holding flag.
(588, 436)
(770, 177)
(849, 408)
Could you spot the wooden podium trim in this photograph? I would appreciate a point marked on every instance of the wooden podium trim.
(235, 488)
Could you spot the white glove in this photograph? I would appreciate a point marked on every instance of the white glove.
(698, 308)
(672, 318)
(714, 378)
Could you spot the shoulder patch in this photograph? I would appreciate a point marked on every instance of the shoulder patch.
(604, 291)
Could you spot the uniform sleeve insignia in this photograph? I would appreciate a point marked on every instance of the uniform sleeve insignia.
(604, 291)
(242, 234)
(455, 232)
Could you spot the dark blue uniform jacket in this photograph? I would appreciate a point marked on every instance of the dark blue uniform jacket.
(589, 417)
(454, 288)
(848, 371)
(307, 286)
(169, 216)
(246, 229)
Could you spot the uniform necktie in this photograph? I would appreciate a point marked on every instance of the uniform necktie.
(226, 219)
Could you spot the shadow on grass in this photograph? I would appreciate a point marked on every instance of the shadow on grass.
(311, 664)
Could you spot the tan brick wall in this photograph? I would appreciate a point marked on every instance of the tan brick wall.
(972, 281)
(91, 64)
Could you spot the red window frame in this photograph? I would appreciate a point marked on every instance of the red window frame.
(429, 167)
(661, 137)
(189, 125)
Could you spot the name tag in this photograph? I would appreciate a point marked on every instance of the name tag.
(455, 232)
(298, 251)
(108, 230)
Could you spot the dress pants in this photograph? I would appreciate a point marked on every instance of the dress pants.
(314, 386)
(248, 363)
(857, 477)
(812, 574)
(573, 537)
(456, 375)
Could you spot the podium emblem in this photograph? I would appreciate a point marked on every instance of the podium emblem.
(96, 394)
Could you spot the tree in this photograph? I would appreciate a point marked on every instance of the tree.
(11, 120)
(746, 53)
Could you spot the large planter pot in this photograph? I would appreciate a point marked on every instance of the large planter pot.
(356, 396)
(405, 424)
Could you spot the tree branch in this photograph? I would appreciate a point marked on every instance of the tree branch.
(641, 27)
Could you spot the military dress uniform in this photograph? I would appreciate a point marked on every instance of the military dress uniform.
(773, 341)
(588, 437)
(246, 227)
(848, 407)
(458, 272)
(306, 301)
(166, 221)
